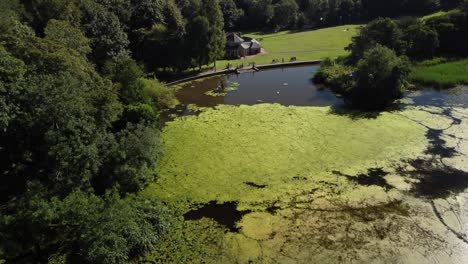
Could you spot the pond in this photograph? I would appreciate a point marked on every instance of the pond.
(286, 86)
(292, 86)
(267, 177)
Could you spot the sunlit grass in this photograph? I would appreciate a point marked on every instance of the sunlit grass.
(304, 45)
(438, 14)
(441, 74)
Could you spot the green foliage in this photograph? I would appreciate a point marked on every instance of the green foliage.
(285, 14)
(105, 31)
(421, 40)
(82, 227)
(231, 13)
(380, 76)
(206, 39)
(123, 70)
(130, 161)
(330, 71)
(67, 35)
(217, 38)
(382, 31)
(375, 81)
(134, 88)
(452, 29)
(157, 94)
(61, 150)
(199, 39)
(139, 113)
(39, 12)
(11, 71)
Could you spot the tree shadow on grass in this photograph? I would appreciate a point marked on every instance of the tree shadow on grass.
(344, 110)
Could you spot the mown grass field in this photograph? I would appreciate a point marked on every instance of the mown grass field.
(441, 74)
(304, 45)
(440, 13)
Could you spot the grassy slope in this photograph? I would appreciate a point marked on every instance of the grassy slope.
(305, 45)
(445, 74)
(440, 13)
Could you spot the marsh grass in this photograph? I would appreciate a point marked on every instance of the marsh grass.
(441, 73)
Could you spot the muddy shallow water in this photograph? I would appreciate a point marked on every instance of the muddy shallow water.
(307, 181)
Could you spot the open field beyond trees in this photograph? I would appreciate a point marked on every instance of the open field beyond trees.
(304, 45)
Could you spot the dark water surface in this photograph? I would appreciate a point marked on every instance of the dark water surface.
(294, 86)
(286, 86)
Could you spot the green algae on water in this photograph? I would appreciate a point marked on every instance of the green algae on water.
(290, 171)
(212, 156)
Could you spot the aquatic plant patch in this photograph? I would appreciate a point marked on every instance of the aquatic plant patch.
(210, 157)
(308, 184)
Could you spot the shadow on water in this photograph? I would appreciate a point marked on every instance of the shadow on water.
(225, 214)
(457, 96)
(436, 180)
(255, 185)
(343, 110)
(437, 145)
(374, 176)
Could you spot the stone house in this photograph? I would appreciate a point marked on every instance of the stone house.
(238, 47)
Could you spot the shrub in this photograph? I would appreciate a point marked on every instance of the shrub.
(374, 83)
(382, 31)
(452, 29)
(333, 75)
(81, 228)
(158, 94)
(139, 113)
(421, 40)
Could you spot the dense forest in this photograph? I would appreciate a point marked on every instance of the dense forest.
(80, 104)
(183, 34)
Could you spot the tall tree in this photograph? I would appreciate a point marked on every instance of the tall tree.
(217, 38)
(285, 14)
(105, 31)
(231, 14)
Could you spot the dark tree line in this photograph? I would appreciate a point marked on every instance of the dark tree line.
(159, 33)
(279, 14)
(181, 34)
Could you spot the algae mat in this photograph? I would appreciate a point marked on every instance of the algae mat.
(309, 185)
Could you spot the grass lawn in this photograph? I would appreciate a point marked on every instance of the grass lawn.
(304, 45)
(441, 74)
(438, 14)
